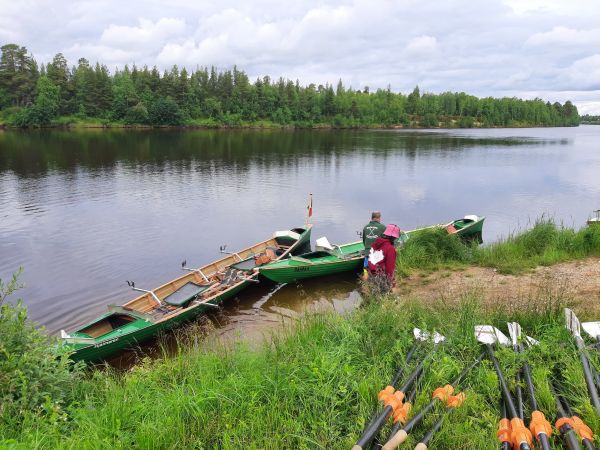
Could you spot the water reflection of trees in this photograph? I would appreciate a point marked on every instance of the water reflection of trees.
(34, 153)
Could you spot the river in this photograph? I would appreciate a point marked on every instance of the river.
(84, 210)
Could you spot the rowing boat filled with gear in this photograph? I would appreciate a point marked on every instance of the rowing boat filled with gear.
(328, 259)
(181, 299)
(469, 227)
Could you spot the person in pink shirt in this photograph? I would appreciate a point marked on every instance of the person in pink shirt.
(382, 256)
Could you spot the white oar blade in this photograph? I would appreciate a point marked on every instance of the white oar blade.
(437, 338)
(531, 341)
(514, 330)
(591, 328)
(426, 336)
(572, 322)
(487, 334)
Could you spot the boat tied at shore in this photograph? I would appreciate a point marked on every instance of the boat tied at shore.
(328, 259)
(181, 299)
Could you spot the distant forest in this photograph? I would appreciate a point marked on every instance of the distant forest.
(56, 94)
(590, 120)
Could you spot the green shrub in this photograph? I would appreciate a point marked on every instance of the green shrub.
(137, 114)
(35, 375)
(465, 122)
(165, 111)
(430, 248)
(430, 121)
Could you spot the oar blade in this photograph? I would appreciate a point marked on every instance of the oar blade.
(572, 322)
(514, 330)
(487, 334)
(422, 335)
(531, 341)
(591, 328)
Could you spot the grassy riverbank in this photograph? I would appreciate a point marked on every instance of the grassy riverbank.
(415, 122)
(544, 244)
(314, 385)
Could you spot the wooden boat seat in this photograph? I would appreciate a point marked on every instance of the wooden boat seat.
(185, 294)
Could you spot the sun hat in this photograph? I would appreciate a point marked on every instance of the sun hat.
(392, 231)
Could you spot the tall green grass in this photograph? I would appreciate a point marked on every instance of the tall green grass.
(546, 243)
(312, 387)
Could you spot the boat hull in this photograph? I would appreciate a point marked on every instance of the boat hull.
(105, 349)
(292, 274)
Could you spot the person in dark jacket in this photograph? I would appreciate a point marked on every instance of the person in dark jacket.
(372, 230)
(382, 256)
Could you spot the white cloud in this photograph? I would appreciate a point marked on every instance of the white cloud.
(496, 47)
(422, 44)
(564, 36)
(147, 33)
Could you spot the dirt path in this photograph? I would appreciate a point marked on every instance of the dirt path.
(577, 282)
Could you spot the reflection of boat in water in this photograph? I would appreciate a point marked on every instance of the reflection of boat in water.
(179, 300)
(596, 219)
(328, 259)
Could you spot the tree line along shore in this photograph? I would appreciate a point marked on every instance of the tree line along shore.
(314, 384)
(89, 95)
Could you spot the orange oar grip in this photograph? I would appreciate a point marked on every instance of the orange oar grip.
(519, 433)
(503, 430)
(564, 421)
(582, 429)
(385, 393)
(539, 424)
(442, 393)
(454, 401)
(395, 400)
(401, 414)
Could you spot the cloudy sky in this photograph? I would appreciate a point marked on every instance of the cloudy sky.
(527, 48)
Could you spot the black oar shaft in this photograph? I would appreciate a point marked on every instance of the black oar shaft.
(519, 395)
(530, 387)
(407, 360)
(589, 445)
(398, 433)
(544, 441)
(518, 389)
(409, 356)
(456, 382)
(510, 405)
(567, 432)
(376, 424)
(410, 398)
(504, 445)
(429, 435)
(587, 373)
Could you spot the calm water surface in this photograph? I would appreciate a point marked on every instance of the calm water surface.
(83, 211)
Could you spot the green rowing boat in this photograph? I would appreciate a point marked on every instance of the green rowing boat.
(179, 300)
(330, 259)
(469, 227)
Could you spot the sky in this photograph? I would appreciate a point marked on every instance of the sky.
(525, 48)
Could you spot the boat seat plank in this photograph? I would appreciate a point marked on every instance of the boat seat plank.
(184, 294)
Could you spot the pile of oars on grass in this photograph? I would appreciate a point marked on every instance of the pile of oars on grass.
(396, 399)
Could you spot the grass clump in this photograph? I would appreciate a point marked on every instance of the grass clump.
(430, 250)
(546, 243)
